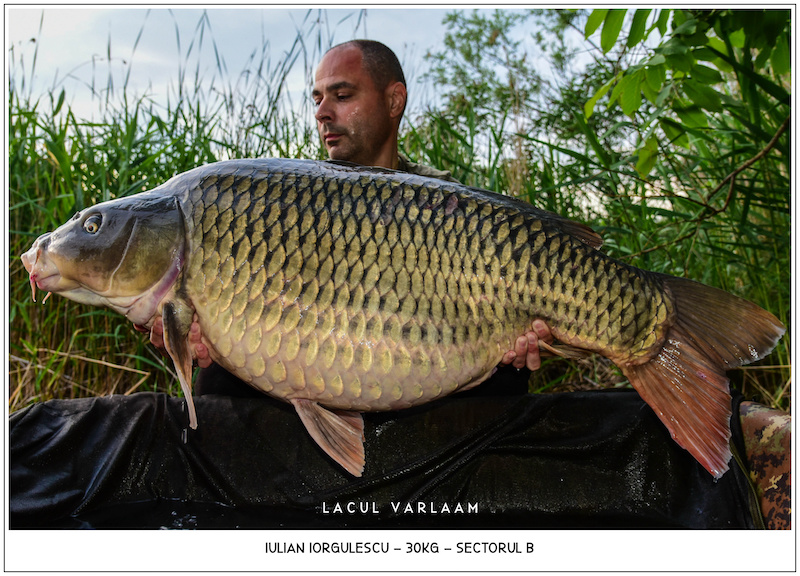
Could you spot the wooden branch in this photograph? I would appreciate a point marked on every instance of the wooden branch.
(730, 179)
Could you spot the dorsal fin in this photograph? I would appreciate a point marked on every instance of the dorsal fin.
(582, 232)
(338, 432)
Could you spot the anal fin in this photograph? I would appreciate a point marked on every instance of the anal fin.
(338, 432)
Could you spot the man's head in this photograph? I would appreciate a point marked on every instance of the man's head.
(360, 93)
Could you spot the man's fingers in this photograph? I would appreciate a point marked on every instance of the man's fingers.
(520, 351)
(203, 358)
(532, 358)
(542, 331)
(508, 357)
(157, 333)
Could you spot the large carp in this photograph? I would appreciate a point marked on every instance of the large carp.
(344, 289)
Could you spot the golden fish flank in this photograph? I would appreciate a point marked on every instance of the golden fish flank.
(344, 289)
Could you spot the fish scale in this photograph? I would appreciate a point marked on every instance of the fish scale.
(344, 289)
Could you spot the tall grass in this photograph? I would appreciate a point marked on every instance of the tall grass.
(674, 222)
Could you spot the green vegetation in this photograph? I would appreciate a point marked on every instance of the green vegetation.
(666, 130)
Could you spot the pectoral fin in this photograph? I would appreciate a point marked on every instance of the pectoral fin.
(338, 432)
(176, 341)
(564, 350)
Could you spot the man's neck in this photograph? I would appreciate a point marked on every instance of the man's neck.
(387, 157)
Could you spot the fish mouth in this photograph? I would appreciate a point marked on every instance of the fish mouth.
(43, 273)
(50, 282)
(46, 283)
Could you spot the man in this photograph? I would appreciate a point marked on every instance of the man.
(360, 95)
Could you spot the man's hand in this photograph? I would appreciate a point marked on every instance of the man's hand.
(196, 343)
(526, 347)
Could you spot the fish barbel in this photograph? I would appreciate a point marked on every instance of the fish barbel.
(343, 289)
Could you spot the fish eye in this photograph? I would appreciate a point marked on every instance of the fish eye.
(92, 224)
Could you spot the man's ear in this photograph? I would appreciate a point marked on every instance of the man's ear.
(397, 99)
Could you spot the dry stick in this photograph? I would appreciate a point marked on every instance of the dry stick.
(745, 166)
(86, 359)
(730, 177)
(141, 380)
(12, 399)
(786, 387)
(128, 392)
(44, 368)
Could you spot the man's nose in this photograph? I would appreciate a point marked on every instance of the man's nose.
(324, 111)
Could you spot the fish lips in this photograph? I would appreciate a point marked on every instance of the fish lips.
(43, 272)
(45, 275)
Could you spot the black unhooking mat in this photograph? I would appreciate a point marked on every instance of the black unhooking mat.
(594, 459)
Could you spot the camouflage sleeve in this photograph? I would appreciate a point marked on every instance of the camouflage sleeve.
(406, 165)
(768, 439)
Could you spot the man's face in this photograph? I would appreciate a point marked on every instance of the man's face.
(352, 114)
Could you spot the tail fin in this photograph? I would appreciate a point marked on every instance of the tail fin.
(686, 384)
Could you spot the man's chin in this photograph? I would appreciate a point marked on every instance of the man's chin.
(339, 155)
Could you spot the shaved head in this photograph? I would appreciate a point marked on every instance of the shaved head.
(378, 60)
